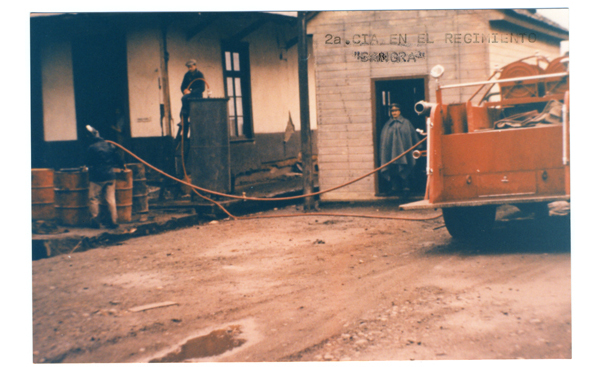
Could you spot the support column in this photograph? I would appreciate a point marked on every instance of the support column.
(305, 137)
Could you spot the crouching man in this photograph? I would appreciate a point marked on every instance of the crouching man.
(101, 158)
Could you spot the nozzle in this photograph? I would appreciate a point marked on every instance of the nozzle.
(93, 131)
(422, 107)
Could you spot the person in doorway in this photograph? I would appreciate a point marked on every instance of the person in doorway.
(192, 86)
(397, 135)
(101, 158)
(118, 127)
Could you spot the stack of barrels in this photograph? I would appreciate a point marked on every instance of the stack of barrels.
(71, 187)
(140, 191)
(123, 195)
(64, 195)
(42, 194)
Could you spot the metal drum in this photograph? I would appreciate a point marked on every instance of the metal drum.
(123, 195)
(140, 190)
(71, 187)
(42, 194)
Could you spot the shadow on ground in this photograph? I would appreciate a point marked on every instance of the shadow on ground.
(527, 236)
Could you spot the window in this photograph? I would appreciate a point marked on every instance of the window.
(236, 73)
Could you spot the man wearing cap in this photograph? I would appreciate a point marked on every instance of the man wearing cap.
(191, 87)
(397, 135)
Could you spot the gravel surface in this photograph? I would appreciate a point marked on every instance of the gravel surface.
(311, 289)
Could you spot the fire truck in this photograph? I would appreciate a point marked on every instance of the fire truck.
(507, 144)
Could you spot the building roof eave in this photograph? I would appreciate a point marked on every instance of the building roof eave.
(535, 23)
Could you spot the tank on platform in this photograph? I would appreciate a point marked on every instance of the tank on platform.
(209, 144)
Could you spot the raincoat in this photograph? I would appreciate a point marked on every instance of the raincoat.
(397, 136)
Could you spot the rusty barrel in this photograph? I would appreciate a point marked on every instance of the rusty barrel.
(71, 187)
(123, 195)
(42, 194)
(140, 190)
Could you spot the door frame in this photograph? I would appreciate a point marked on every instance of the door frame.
(374, 106)
(119, 80)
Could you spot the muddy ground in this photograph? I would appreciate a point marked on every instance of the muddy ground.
(311, 289)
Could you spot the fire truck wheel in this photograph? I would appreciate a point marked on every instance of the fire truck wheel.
(469, 222)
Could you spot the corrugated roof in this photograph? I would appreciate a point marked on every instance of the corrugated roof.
(532, 14)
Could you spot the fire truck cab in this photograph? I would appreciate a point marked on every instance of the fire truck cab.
(510, 146)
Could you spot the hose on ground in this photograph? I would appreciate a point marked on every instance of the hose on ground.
(195, 188)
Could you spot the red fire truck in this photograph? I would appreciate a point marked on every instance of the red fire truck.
(508, 144)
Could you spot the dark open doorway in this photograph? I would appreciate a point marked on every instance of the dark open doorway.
(405, 92)
(100, 82)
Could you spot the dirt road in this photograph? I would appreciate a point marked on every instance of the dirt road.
(310, 289)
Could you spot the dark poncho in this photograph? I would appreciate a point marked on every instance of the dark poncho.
(397, 136)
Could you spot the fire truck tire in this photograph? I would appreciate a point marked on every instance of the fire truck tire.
(469, 222)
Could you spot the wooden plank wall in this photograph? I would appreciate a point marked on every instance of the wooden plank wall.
(504, 53)
(344, 82)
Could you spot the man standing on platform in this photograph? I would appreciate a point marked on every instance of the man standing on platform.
(193, 86)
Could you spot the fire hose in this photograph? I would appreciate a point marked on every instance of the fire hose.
(195, 80)
(244, 197)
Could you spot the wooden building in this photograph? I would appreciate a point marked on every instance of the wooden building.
(123, 71)
(366, 60)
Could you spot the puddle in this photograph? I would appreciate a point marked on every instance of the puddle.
(213, 344)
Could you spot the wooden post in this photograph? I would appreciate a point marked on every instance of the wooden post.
(305, 138)
(168, 149)
(164, 74)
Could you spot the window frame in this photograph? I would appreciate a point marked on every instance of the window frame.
(246, 132)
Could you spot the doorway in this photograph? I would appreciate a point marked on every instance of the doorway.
(406, 93)
(101, 85)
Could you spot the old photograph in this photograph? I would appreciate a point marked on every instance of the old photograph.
(300, 186)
